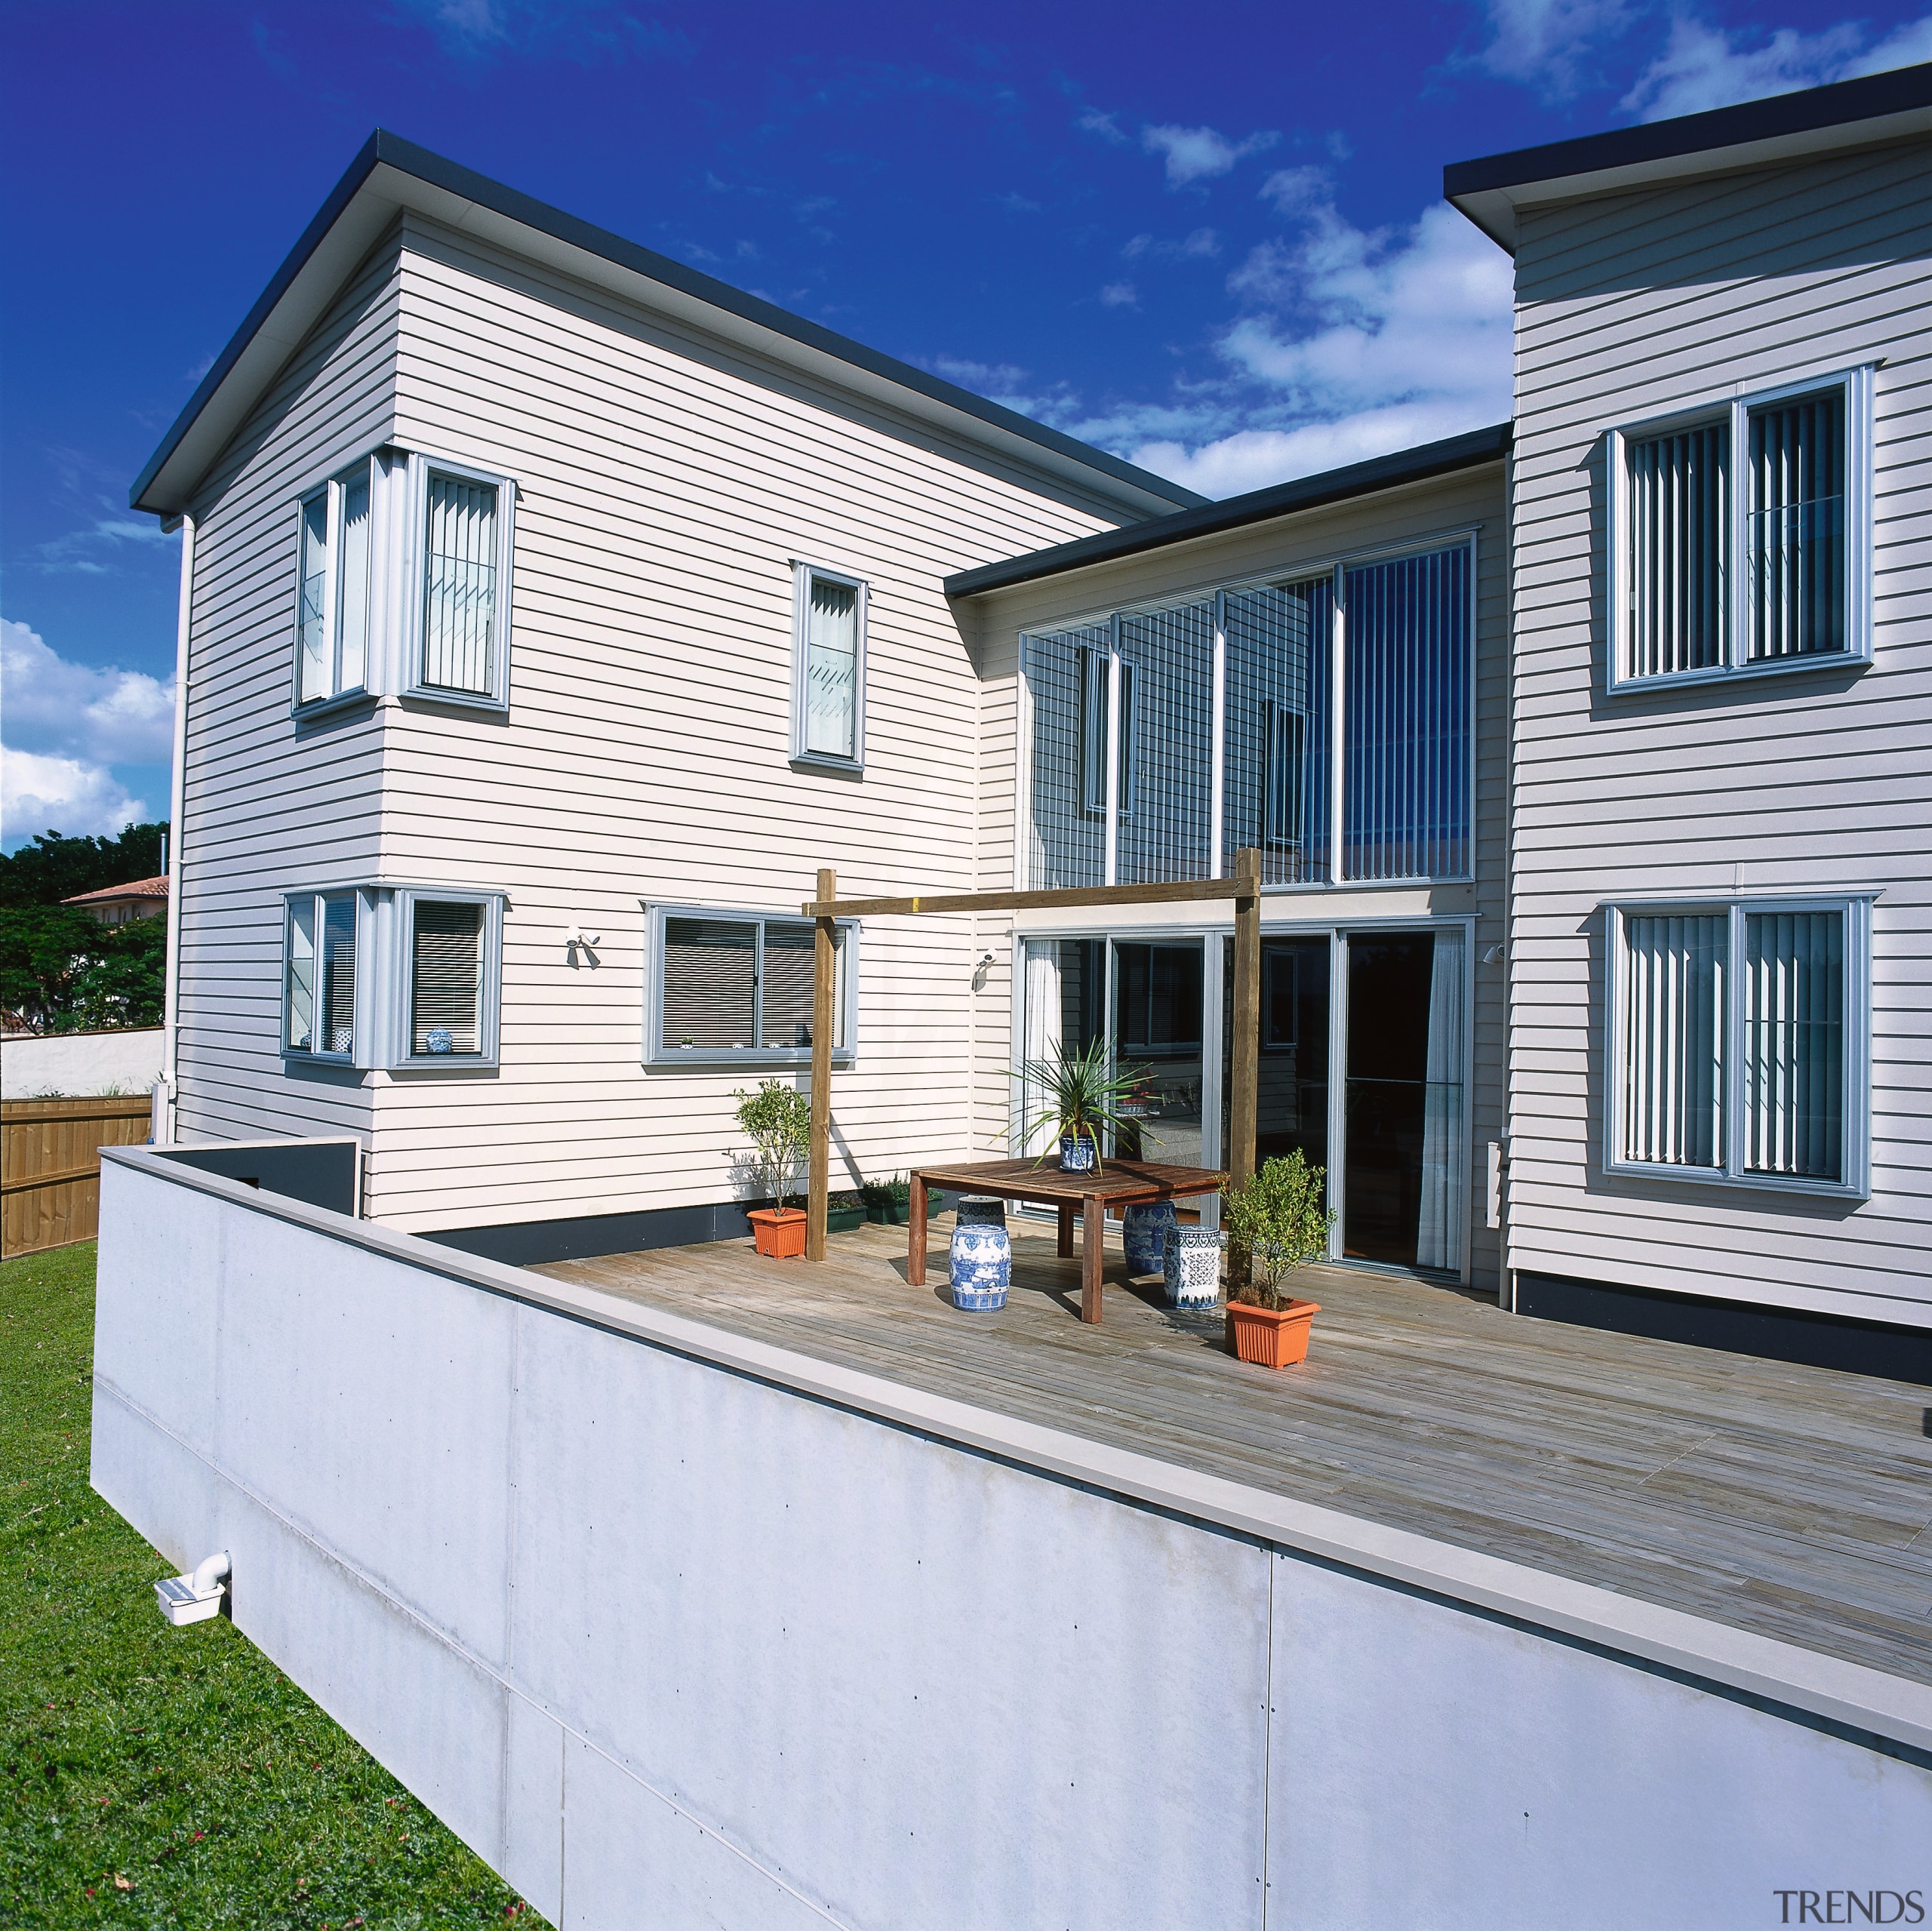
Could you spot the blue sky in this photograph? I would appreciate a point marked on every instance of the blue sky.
(1210, 238)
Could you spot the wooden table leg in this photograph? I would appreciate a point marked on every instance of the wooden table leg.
(915, 1238)
(1067, 1230)
(1092, 1250)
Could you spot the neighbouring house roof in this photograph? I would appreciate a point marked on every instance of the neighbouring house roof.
(1789, 126)
(391, 174)
(1358, 479)
(138, 888)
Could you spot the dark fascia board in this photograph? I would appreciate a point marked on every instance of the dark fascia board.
(356, 212)
(1358, 479)
(1789, 126)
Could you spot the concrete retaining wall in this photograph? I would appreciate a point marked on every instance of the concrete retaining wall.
(75, 1065)
(676, 1630)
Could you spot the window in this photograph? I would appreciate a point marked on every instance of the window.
(1739, 537)
(333, 593)
(735, 988)
(320, 998)
(829, 677)
(1093, 732)
(393, 976)
(1737, 1043)
(462, 619)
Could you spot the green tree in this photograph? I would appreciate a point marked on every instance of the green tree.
(52, 867)
(65, 973)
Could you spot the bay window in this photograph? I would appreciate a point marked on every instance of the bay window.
(1740, 536)
(319, 984)
(1737, 1043)
(735, 988)
(334, 589)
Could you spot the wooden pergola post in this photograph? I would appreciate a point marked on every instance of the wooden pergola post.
(1245, 1046)
(825, 987)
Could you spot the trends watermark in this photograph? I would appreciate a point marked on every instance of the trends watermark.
(1851, 1907)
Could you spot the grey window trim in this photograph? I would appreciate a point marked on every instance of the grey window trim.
(420, 465)
(1855, 907)
(359, 1022)
(803, 575)
(1858, 384)
(371, 466)
(399, 981)
(655, 1053)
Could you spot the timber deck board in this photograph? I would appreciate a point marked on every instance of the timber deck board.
(1795, 1502)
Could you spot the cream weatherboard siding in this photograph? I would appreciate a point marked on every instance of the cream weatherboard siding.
(666, 483)
(1630, 306)
(1471, 500)
(268, 806)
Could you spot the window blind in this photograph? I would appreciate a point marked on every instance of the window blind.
(710, 983)
(1797, 504)
(459, 586)
(1673, 1017)
(1794, 1044)
(1066, 842)
(1275, 791)
(312, 638)
(1166, 742)
(785, 998)
(1093, 729)
(832, 668)
(446, 978)
(1678, 487)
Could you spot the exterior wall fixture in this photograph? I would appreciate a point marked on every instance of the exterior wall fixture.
(195, 1598)
(576, 940)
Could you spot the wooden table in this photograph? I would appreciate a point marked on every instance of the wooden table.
(1120, 1183)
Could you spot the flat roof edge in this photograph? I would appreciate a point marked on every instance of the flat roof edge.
(1468, 451)
(384, 148)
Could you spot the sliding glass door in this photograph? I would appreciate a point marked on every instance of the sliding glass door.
(1291, 1107)
(1157, 1015)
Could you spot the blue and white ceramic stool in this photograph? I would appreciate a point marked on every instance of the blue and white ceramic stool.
(1193, 1266)
(980, 1262)
(1143, 1235)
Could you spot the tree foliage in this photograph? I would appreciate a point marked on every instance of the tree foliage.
(1279, 1217)
(65, 973)
(53, 868)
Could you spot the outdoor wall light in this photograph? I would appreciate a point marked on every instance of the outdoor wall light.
(196, 1597)
(1491, 954)
(577, 940)
(979, 972)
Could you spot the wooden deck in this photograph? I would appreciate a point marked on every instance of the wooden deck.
(1796, 1502)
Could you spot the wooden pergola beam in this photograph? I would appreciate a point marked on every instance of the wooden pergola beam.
(1244, 887)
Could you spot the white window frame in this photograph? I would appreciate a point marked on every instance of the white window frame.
(414, 586)
(372, 468)
(360, 1014)
(1858, 386)
(400, 976)
(711, 1059)
(1856, 908)
(803, 577)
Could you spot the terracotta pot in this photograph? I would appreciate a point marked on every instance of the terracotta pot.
(1270, 1338)
(779, 1236)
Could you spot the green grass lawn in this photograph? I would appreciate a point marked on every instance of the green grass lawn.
(160, 1776)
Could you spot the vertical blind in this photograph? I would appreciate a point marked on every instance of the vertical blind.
(1167, 744)
(1678, 484)
(353, 593)
(1406, 750)
(832, 668)
(459, 586)
(1796, 525)
(312, 636)
(446, 978)
(1794, 1044)
(1673, 1004)
(1093, 676)
(1275, 786)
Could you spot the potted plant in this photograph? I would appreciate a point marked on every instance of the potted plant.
(844, 1212)
(777, 1121)
(1277, 1220)
(888, 1202)
(1087, 1098)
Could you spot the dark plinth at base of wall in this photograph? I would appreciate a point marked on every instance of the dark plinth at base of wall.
(530, 1243)
(322, 1173)
(1772, 1334)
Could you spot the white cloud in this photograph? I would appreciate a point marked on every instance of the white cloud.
(1195, 154)
(1548, 44)
(1119, 295)
(65, 794)
(106, 717)
(79, 551)
(1105, 125)
(1703, 66)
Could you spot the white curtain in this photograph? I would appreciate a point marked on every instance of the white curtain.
(1439, 1232)
(1041, 1034)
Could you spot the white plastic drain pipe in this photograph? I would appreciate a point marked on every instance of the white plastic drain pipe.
(196, 1597)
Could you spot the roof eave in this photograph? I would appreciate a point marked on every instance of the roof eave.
(355, 215)
(1420, 464)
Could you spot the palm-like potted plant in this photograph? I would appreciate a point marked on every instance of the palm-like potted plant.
(1087, 1096)
(778, 1120)
(1277, 1221)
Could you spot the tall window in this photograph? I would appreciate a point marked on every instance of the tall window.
(1275, 786)
(828, 648)
(1093, 733)
(460, 558)
(736, 989)
(1739, 541)
(1737, 1048)
(334, 588)
(446, 978)
(319, 998)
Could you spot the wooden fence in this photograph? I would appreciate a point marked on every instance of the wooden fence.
(49, 1167)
